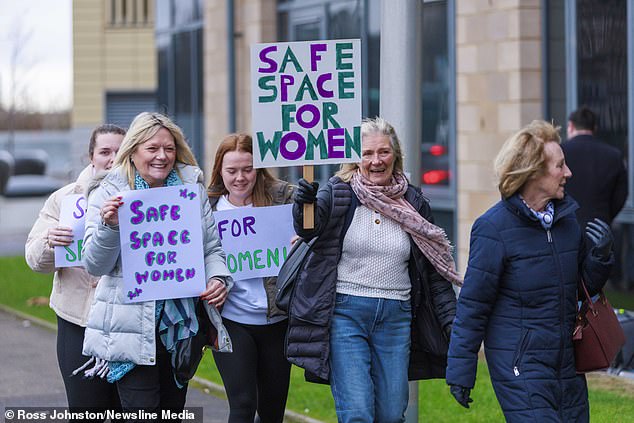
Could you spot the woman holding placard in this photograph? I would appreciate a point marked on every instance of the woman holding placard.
(373, 305)
(73, 287)
(138, 341)
(256, 375)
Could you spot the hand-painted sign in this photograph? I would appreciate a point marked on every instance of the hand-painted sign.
(72, 213)
(255, 239)
(162, 243)
(306, 102)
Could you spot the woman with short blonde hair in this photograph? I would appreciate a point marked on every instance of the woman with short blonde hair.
(522, 156)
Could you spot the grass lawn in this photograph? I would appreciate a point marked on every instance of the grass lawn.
(611, 399)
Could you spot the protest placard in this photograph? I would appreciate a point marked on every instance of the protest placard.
(72, 213)
(306, 102)
(255, 239)
(162, 243)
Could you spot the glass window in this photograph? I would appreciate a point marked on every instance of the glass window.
(435, 97)
(602, 66)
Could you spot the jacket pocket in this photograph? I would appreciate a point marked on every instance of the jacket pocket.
(519, 352)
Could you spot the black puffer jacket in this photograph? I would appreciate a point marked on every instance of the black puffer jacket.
(311, 309)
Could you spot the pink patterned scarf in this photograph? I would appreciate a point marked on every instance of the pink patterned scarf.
(389, 201)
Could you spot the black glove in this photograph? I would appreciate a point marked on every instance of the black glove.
(461, 394)
(601, 236)
(447, 331)
(306, 192)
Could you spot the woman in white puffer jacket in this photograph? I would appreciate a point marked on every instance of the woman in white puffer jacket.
(153, 154)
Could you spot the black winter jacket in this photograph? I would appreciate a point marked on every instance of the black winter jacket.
(599, 178)
(312, 305)
(520, 298)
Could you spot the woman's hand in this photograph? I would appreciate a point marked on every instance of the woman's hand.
(216, 292)
(306, 192)
(110, 211)
(60, 236)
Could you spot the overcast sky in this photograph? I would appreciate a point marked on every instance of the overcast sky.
(45, 59)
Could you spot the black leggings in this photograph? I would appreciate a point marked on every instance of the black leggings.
(256, 374)
(81, 394)
(152, 388)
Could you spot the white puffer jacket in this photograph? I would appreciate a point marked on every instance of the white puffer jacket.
(120, 331)
(73, 287)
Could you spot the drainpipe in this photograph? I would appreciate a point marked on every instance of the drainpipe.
(231, 69)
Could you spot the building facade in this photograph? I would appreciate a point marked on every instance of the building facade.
(114, 66)
(489, 67)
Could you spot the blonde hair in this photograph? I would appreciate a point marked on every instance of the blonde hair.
(375, 126)
(522, 156)
(144, 126)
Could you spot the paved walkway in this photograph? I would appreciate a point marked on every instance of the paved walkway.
(31, 378)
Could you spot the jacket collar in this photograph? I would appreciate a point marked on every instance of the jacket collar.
(563, 207)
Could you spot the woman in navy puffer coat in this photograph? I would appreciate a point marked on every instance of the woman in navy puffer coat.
(527, 254)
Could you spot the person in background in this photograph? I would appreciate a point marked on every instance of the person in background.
(256, 375)
(73, 287)
(136, 340)
(526, 257)
(599, 176)
(374, 304)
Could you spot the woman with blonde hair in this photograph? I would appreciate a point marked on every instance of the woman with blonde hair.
(374, 304)
(139, 355)
(256, 375)
(527, 255)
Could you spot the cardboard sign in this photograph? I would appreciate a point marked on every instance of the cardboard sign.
(162, 243)
(255, 239)
(306, 102)
(72, 213)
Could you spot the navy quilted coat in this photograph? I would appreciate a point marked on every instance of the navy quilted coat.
(520, 298)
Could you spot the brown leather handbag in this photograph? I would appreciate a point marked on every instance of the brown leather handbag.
(598, 335)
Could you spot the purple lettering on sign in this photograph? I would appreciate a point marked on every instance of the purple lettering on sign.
(285, 81)
(141, 277)
(315, 56)
(221, 227)
(299, 151)
(321, 80)
(336, 138)
(81, 210)
(174, 212)
(314, 113)
(264, 58)
(134, 208)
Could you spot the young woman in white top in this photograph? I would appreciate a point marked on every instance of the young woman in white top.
(256, 375)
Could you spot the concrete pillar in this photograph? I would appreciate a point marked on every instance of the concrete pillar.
(401, 78)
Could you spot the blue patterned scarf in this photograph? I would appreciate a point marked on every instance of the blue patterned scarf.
(178, 318)
(546, 216)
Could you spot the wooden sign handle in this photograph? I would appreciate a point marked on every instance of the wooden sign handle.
(309, 209)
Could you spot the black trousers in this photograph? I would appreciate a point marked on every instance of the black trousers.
(256, 374)
(152, 388)
(81, 394)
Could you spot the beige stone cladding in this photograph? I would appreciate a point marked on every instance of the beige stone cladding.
(498, 76)
(254, 22)
(110, 53)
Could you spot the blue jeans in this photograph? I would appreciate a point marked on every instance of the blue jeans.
(369, 356)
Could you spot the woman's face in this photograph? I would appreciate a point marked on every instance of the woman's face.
(550, 184)
(155, 158)
(106, 147)
(377, 159)
(238, 176)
